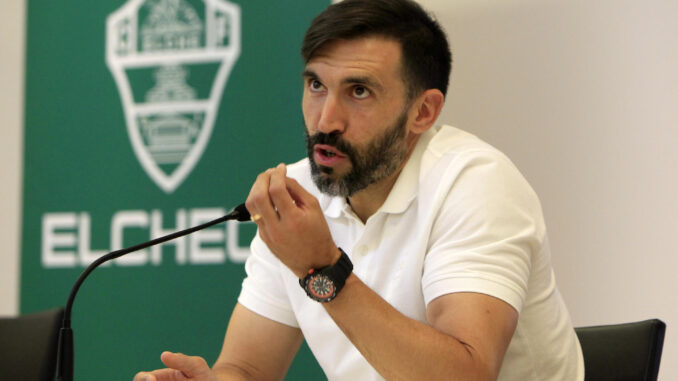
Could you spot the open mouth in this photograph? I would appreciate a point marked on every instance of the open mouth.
(327, 155)
(328, 151)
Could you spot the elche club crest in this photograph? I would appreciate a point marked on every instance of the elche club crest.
(170, 60)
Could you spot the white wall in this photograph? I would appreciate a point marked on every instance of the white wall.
(12, 27)
(583, 96)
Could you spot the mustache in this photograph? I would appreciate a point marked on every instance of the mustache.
(331, 139)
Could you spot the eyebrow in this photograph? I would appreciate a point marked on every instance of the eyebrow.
(366, 81)
(359, 80)
(309, 74)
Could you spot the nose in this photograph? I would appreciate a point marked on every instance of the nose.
(333, 116)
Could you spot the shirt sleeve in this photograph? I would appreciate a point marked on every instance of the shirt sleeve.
(263, 290)
(488, 227)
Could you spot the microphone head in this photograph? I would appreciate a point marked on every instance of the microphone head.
(241, 213)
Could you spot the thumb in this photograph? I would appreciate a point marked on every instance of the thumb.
(190, 366)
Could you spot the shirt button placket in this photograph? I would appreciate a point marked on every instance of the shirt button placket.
(359, 253)
(362, 251)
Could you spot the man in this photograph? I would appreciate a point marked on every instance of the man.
(420, 251)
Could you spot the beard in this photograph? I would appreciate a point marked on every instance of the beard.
(377, 160)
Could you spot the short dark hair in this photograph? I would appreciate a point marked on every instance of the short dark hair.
(427, 60)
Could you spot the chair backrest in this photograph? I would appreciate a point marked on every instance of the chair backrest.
(622, 352)
(28, 345)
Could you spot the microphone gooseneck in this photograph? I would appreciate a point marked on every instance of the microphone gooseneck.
(65, 347)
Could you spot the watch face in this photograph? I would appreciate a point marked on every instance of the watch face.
(320, 287)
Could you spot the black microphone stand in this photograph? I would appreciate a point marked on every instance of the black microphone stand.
(64, 369)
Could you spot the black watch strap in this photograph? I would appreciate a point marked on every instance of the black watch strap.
(331, 279)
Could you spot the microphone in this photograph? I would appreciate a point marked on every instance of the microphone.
(64, 366)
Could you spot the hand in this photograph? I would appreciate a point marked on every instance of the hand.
(179, 368)
(291, 222)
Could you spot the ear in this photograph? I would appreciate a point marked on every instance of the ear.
(425, 110)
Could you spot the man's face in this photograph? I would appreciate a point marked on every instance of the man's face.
(356, 114)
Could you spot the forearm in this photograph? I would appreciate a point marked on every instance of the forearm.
(398, 347)
(256, 348)
(228, 372)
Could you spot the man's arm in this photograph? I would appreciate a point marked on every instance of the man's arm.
(466, 339)
(256, 348)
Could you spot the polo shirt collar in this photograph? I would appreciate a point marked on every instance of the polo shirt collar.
(406, 186)
(333, 206)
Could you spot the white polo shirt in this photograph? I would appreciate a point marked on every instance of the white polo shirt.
(460, 218)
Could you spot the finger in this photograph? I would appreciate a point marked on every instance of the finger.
(278, 191)
(144, 376)
(300, 195)
(190, 366)
(161, 375)
(258, 202)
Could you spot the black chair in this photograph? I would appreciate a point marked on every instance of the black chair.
(28, 345)
(622, 352)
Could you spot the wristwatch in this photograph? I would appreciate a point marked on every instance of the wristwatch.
(323, 285)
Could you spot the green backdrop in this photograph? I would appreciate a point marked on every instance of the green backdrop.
(200, 141)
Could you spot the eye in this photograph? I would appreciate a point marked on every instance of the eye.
(360, 92)
(315, 86)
